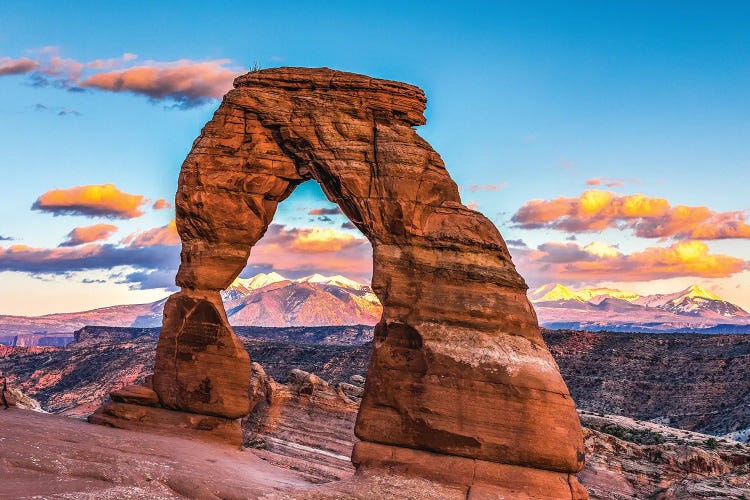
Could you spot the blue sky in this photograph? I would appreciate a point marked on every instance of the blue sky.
(533, 100)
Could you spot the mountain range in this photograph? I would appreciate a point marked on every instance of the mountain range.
(262, 300)
(691, 309)
(272, 300)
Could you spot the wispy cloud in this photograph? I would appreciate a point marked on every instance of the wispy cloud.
(161, 204)
(165, 235)
(94, 200)
(325, 211)
(648, 217)
(610, 182)
(58, 110)
(488, 187)
(88, 234)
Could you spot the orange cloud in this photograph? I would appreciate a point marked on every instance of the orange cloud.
(187, 82)
(600, 261)
(648, 217)
(97, 200)
(88, 234)
(161, 204)
(165, 235)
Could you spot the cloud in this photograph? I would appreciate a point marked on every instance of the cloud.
(599, 261)
(348, 225)
(88, 234)
(161, 204)
(91, 256)
(516, 243)
(6, 238)
(95, 200)
(610, 182)
(325, 211)
(189, 83)
(151, 257)
(186, 82)
(165, 235)
(18, 66)
(647, 217)
(309, 250)
(598, 181)
(59, 111)
(487, 187)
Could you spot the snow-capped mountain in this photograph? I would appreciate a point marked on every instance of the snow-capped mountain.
(261, 300)
(315, 300)
(598, 308)
(556, 291)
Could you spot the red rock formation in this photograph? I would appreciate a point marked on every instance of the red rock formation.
(459, 366)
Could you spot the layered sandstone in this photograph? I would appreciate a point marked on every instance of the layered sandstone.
(459, 367)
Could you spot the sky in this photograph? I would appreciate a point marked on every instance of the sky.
(608, 141)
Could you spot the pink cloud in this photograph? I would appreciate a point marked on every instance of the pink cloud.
(325, 211)
(18, 66)
(185, 81)
(161, 204)
(88, 234)
(165, 235)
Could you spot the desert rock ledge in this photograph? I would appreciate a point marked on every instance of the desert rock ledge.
(460, 378)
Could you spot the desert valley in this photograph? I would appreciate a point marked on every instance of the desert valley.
(664, 413)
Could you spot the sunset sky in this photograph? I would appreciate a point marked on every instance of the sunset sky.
(608, 141)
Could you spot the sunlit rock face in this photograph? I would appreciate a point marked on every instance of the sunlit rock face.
(459, 366)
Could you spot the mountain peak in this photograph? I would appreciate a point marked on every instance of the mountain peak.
(698, 291)
(337, 280)
(258, 281)
(552, 292)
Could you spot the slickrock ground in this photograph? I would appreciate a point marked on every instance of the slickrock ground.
(305, 435)
(48, 456)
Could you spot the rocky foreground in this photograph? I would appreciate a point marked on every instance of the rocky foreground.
(307, 387)
(307, 425)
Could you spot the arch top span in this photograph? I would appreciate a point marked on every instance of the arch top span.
(458, 364)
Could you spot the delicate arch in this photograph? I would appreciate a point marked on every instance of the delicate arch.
(459, 366)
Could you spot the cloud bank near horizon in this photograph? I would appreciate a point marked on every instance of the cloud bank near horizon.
(647, 217)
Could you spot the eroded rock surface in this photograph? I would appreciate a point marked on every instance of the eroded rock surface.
(459, 366)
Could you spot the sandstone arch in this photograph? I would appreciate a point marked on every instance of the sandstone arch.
(459, 368)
